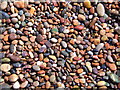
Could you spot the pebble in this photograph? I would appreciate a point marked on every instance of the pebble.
(88, 65)
(4, 86)
(81, 17)
(110, 59)
(64, 44)
(52, 78)
(12, 36)
(3, 5)
(6, 60)
(14, 20)
(54, 40)
(100, 9)
(5, 67)
(24, 38)
(52, 57)
(100, 46)
(101, 83)
(48, 84)
(79, 27)
(112, 66)
(16, 85)
(13, 78)
(24, 84)
(114, 78)
(36, 68)
(2, 55)
(87, 4)
(19, 4)
(2, 30)
(36, 83)
(69, 79)
(15, 58)
(12, 30)
(4, 15)
(65, 53)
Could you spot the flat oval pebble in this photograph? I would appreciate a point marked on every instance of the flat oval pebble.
(5, 67)
(24, 38)
(64, 44)
(52, 78)
(79, 27)
(36, 68)
(100, 9)
(101, 83)
(13, 78)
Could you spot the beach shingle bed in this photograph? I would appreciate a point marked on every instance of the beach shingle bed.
(64, 44)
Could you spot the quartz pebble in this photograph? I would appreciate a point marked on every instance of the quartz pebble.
(3, 5)
(5, 67)
(100, 9)
(16, 85)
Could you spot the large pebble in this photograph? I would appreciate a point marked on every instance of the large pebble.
(5, 67)
(3, 5)
(16, 85)
(19, 4)
(12, 36)
(87, 4)
(52, 78)
(4, 15)
(15, 58)
(13, 78)
(2, 55)
(114, 78)
(100, 9)
(5, 60)
(24, 84)
(101, 83)
(48, 84)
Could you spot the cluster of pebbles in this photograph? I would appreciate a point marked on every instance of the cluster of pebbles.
(59, 44)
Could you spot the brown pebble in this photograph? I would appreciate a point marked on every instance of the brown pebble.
(32, 38)
(19, 4)
(15, 58)
(24, 38)
(13, 78)
(112, 66)
(6, 37)
(81, 17)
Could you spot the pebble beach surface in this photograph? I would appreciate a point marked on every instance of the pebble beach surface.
(59, 44)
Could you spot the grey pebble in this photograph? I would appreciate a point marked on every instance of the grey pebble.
(64, 44)
(36, 68)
